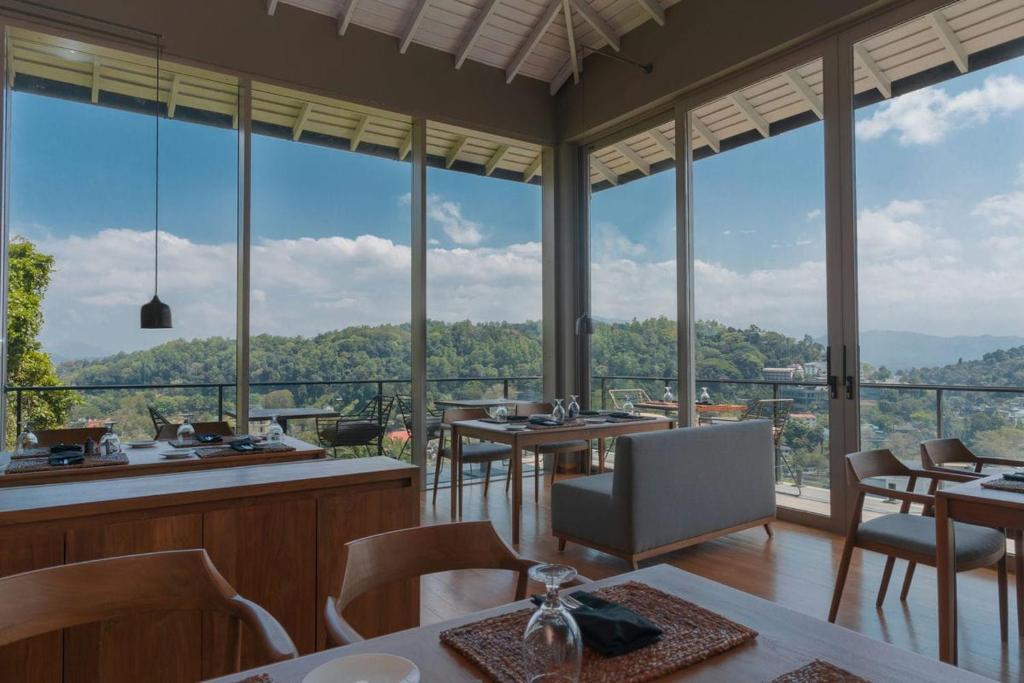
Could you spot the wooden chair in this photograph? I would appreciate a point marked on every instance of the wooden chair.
(55, 598)
(555, 450)
(170, 432)
(483, 452)
(911, 537)
(941, 455)
(365, 426)
(78, 435)
(159, 421)
(776, 410)
(620, 396)
(405, 554)
(403, 404)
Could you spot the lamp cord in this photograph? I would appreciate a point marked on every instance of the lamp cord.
(156, 202)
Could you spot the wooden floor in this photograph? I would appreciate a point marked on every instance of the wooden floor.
(796, 569)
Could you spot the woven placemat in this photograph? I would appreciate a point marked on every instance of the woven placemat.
(819, 672)
(1004, 485)
(192, 443)
(222, 451)
(258, 678)
(690, 634)
(41, 463)
(567, 423)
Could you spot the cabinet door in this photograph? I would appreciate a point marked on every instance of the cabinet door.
(348, 515)
(268, 553)
(155, 647)
(35, 660)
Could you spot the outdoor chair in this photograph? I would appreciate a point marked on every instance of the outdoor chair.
(364, 426)
(777, 411)
(159, 421)
(620, 396)
(77, 435)
(480, 452)
(384, 559)
(555, 450)
(403, 404)
(218, 427)
(903, 535)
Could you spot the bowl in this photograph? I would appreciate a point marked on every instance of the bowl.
(365, 668)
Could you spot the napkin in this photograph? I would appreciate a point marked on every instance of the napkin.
(610, 628)
(545, 421)
(209, 438)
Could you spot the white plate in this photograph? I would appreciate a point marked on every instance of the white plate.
(368, 668)
(141, 444)
(178, 454)
(515, 428)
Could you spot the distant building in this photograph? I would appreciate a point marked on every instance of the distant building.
(778, 374)
(815, 368)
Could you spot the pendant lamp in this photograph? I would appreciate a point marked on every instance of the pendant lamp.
(156, 315)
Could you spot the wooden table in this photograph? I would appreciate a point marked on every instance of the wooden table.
(787, 640)
(527, 438)
(143, 461)
(285, 414)
(275, 532)
(473, 402)
(974, 504)
(673, 407)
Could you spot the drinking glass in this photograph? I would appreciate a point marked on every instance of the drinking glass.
(704, 397)
(574, 406)
(499, 414)
(627, 405)
(110, 442)
(186, 432)
(275, 432)
(552, 644)
(27, 440)
(667, 398)
(558, 412)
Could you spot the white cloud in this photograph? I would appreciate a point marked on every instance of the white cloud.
(896, 230)
(814, 214)
(608, 242)
(448, 215)
(926, 116)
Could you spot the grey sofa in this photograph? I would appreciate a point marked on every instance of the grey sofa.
(671, 489)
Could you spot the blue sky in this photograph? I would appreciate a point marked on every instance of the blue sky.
(940, 199)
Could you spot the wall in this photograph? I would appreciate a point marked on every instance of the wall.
(302, 49)
(701, 40)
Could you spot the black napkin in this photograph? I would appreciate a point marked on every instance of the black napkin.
(66, 448)
(545, 421)
(209, 438)
(610, 628)
(246, 445)
(619, 415)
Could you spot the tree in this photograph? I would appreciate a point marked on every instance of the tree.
(29, 272)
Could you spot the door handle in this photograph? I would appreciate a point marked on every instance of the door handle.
(848, 381)
(833, 381)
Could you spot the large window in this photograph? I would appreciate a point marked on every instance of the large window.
(759, 271)
(634, 353)
(83, 174)
(940, 224)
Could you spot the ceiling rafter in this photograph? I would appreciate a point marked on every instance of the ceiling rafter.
(539, 29)
(747, 109)
(570, 36)
(949, 40)
(271, 7)
(453, 152)
(345, 18)
(496, 158)
(804, 91)
(590, 15)
(705, 132)
(358, 133)
(533, 169)
(301, 119)
(874, 72)
(172, 95)
(94, 97)
(655, 10)
(634, 158)
(406, 147)
(414, 23)
(599, 166)
(474, 33)
(662, 141)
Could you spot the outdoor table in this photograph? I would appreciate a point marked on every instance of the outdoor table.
(285, 414)
(473, 402)
(528, 438)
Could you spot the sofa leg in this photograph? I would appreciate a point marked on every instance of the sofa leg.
(768, 529)
(634, 563)
(561, 544)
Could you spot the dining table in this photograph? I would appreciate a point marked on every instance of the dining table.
(283, 415)
(669, 407)
(598, 427)
(484, 403)
(786, 640)
(971, 503)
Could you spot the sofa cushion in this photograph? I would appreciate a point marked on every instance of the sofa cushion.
(484, 451)
(584, 509)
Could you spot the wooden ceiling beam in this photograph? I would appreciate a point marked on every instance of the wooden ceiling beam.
(949, 40)
(590, 15)
(495, 159)
(705, 132)
(804, 91)
(874, 72)
(453, 153)
(345, 18)
(539, 29)
(474, 32)
(415, 19)
(747, 109)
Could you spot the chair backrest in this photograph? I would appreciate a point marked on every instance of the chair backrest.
(170, 432)
(619, 396)
(393, 556)
(158, 419)
(533, 408)
(877, 463)
(460, 414)
(47, 600)
(777, 410)
(938, 452)
(52, 437)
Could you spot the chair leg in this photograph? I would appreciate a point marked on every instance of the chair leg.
(437, 473)
(561, 544)
(508, 477)
(554, 466)
(1003, 618)
(883, 588)
(487, 476)
(1018, 566)
(907, 580)
(768, 530)
(844, 568)
(536, 475)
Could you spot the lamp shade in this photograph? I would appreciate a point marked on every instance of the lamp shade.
(155, 315)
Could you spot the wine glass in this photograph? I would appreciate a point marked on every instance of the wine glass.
(627, 405)
(558, 412)
(275, 432)
(186, 432)
(705, 397)
(499, 413)
(574, 406)
(27, 440)
(552, 644)
(110, 442)
(667, 398)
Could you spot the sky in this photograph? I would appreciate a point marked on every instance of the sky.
(940, 192)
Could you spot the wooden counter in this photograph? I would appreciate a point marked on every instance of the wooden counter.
(274, 531)
(152, 461)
